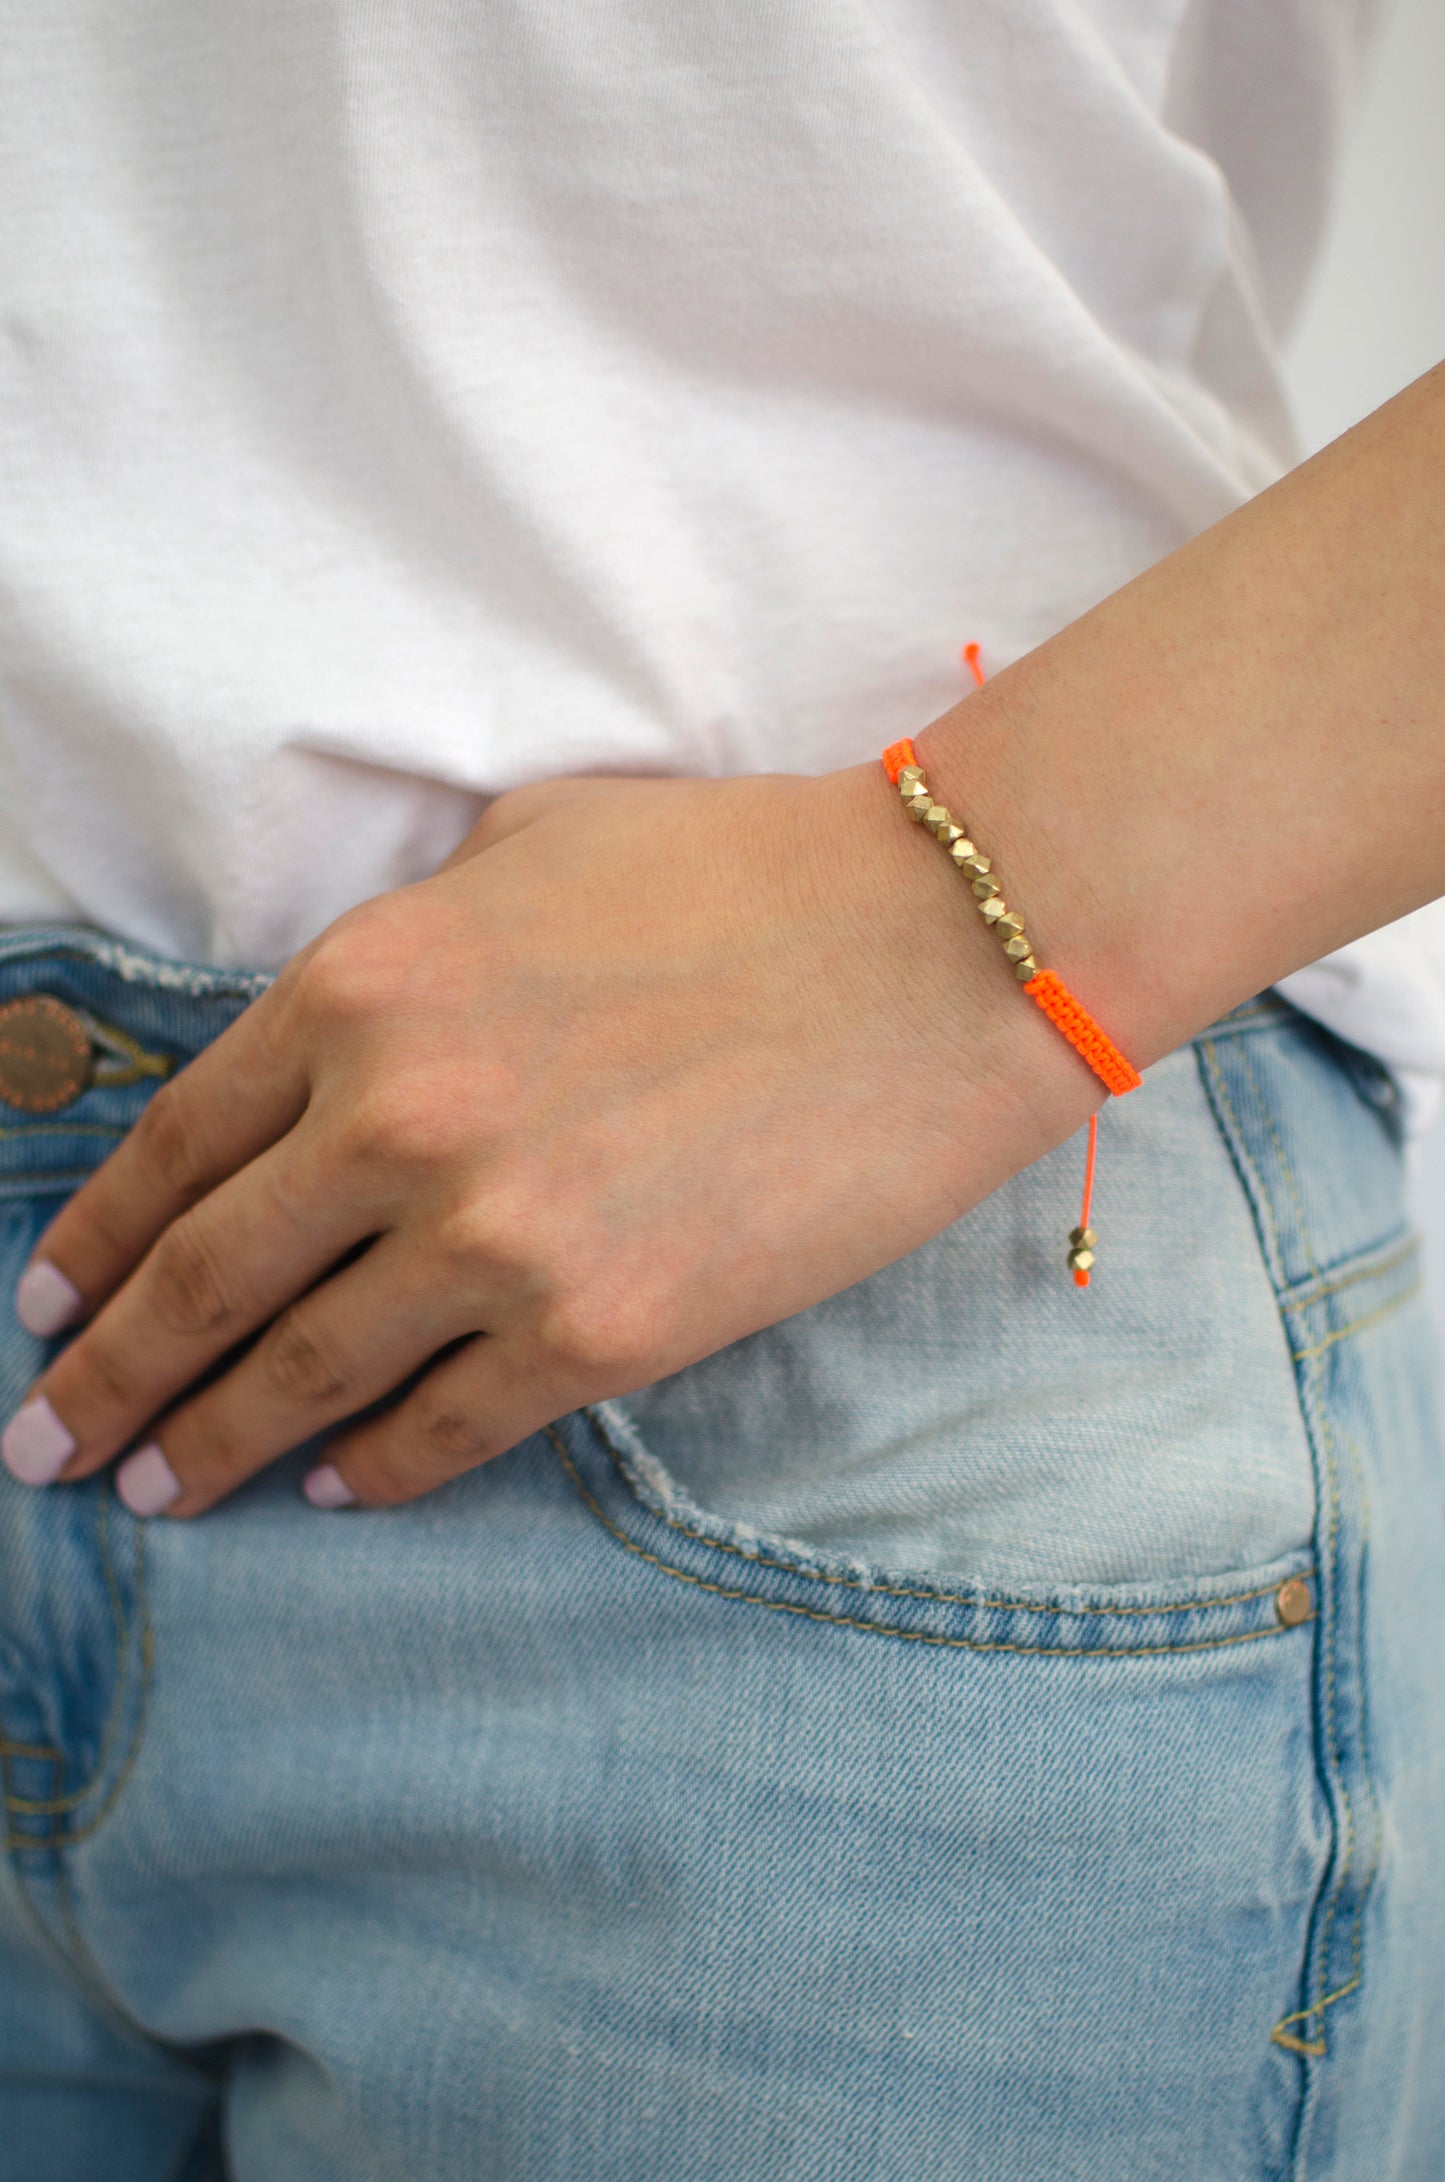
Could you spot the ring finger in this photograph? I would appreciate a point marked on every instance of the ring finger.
(353, 1340)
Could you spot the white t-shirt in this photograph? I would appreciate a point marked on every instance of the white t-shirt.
(397, 404)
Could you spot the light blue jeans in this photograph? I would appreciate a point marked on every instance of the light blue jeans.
(886, 1752)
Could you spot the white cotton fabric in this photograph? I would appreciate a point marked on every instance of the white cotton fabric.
(398, 403)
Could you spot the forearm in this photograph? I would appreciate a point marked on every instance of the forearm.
(650, 1064)
(1237, 762)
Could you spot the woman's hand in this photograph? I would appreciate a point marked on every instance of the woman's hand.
(651, 1064)
(646, 1066)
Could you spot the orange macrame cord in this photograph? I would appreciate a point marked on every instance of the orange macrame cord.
(1049, 992)
(1083, 1033)
(896, 756)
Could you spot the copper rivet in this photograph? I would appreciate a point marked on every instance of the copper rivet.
(1292, 1602)
(45, 1054)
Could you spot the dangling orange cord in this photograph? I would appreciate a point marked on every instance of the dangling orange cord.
(1103, 1057)
(1082, 1239)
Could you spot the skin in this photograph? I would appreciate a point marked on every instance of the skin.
(648, 1065)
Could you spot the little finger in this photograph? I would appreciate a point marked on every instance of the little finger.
(352, 1341)
(470, 1407)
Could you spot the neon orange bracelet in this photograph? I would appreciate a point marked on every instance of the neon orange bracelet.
(1047, 990)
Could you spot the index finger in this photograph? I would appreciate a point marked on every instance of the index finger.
(221, 1111)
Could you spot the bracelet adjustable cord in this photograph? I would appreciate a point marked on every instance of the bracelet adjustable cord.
(1044, 987)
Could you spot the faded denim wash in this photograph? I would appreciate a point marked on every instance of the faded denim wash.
(876, 1755)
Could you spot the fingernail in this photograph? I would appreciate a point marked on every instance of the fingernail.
(325, 1487)
(45, 1301)
(36, 1445)
(146, 1482)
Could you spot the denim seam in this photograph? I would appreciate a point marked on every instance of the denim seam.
(1358, 1325)
(134, 967)
(1314, 1409)
(1377, 1845)
(1339, 1876)
(79, 1964)
(1291, 1182)
(83, 1967)
(1312, 2049)
(63, 1836)
(1329, 1628)
(1193, 1605)
(37, 1752)
(92, 1825)
(882, 1629)
(1244, 1164)
(1315, 2049)
(1352, 1279)
(39, 1807)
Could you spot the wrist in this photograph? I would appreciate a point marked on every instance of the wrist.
(1088, 867)
(982, 1078)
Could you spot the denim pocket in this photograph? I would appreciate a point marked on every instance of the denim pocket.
(967, 1412)
(646, 1513)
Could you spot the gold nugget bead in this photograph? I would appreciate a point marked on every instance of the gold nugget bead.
(962, 851)
(992, 910)
(908, 775)
(937, 816)
(949, 834)
(920, 806)
(985, 886)
(1026, 969)
(1080, 1260)
(1017, 945)
(976, 866)
(1011, 925)
(1082, 1238)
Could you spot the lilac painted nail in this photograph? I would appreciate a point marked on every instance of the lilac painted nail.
(146, 1482)
(325, 1487)
(45, 1301)
(36, 1445)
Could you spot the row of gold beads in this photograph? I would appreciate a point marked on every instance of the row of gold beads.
(919, 804)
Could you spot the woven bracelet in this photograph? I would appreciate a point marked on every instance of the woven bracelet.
(1047, 990)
